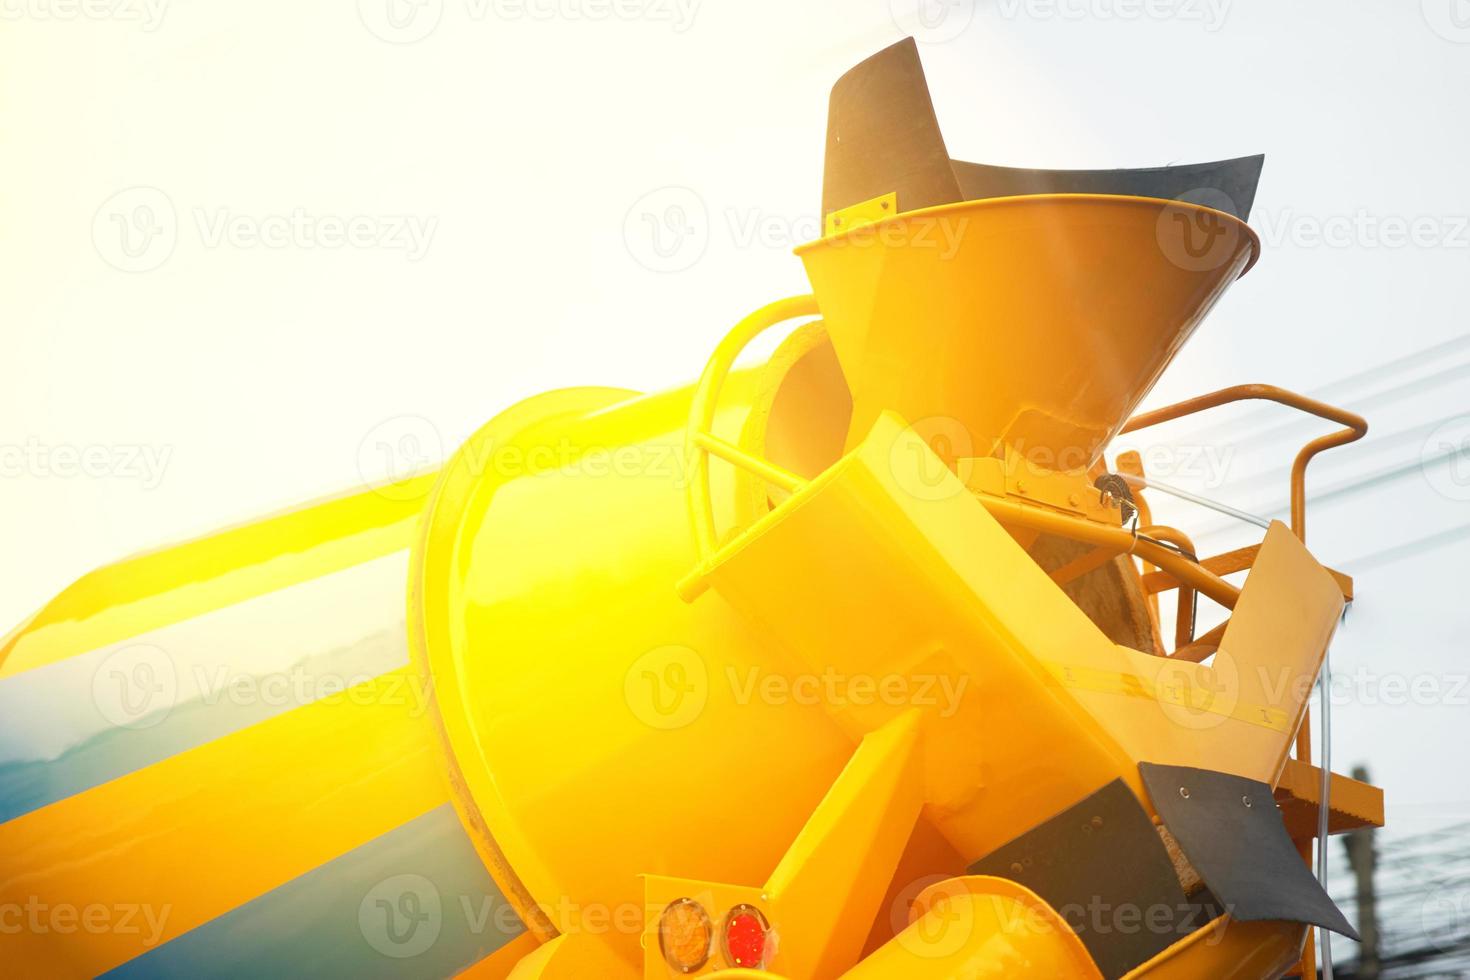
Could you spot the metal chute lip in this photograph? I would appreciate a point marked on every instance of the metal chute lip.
(1022, 199)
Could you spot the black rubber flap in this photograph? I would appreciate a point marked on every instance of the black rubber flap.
(1101, 865)
(1225, 185)
(883, 137)
(1231, 831)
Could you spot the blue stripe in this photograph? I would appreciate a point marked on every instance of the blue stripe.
(28, 784)
(415, 902)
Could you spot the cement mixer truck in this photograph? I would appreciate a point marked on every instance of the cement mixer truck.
(862, 659)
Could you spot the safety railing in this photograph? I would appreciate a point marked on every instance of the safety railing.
(1355, 428)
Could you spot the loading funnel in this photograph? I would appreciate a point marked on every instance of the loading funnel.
(1033, 308)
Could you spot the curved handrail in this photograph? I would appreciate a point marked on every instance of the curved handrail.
(1356, 428)
(700, 443)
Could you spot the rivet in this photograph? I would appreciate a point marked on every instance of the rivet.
(1246, 800)
(1016, 868)
(1184, 792)
(1097, 822)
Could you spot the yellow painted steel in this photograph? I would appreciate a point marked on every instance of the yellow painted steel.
(170, 846)
(1038, 322)
(945, 592)
(823, 894)
(175, 583)
(194, 836)
(667, 704)
(760, 641)
(980, 928)
(1227, 949)
(633, 785)
(559, 674)
(500, 964)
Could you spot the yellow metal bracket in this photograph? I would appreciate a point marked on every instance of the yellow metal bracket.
(1068, 491)
(864, 213)
(822, 897)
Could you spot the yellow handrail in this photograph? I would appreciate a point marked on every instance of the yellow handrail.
(700, 442)
(1356, 428)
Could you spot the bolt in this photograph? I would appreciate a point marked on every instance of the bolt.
(1247, 801)
(1097, 822)
(1016, 868)
(1184, 792)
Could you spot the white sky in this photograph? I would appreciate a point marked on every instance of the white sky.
(232, 378)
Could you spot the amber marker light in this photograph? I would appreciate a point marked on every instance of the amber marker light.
(685, 935)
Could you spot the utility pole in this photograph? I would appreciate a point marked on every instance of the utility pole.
(1359, 845)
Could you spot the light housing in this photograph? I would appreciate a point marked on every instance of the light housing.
(746, 937)
(685, 935)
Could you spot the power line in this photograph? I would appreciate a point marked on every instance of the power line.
(1412, 896)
